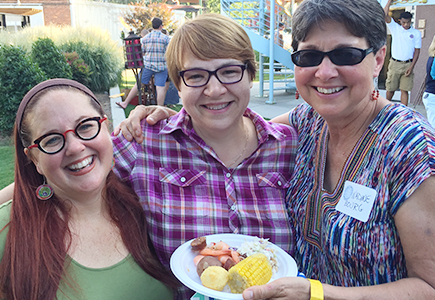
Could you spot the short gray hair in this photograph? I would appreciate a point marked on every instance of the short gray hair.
(362, 18)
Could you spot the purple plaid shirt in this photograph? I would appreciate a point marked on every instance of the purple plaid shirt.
(154, 46)
(187, 192)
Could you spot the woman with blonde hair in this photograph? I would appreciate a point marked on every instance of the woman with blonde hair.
(216, 166)
(429, 93)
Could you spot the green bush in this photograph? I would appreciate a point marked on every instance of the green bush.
(50, 59)
(103, 55)
(106, 72)
(80, 70)
(18, 75)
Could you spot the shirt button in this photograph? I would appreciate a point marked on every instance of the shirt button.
(279, 183)
(233, 207)
(228, 175)
(183, 179)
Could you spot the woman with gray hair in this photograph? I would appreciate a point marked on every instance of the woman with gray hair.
(362, 196)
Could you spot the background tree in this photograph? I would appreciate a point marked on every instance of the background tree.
(213, 6)
(139, 15)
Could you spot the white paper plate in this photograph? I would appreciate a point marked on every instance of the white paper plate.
(185, 270)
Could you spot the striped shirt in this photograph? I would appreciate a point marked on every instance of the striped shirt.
(394, 156)
(154, 46)
(187, 191)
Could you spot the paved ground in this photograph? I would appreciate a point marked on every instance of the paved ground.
(283, 102)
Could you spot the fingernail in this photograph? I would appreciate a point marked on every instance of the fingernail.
(248, 295)
(151, 119)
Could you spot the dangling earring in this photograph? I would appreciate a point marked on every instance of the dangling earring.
(296, 94)
(375, 95)
(113, 164)
(44, 191)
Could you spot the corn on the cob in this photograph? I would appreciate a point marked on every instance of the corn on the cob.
(253, 270)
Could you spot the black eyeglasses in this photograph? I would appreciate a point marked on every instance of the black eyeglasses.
(200, 77)
(347, 56)
(52, 143)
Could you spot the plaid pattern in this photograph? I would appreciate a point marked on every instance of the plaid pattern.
(187, 192)
(154, 46)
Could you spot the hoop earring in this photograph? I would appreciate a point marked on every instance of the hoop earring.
(375, 95)
(296, 94)
(44, 191)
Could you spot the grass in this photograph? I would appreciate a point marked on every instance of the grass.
(128, 80)
(276, 76)
(6, 165)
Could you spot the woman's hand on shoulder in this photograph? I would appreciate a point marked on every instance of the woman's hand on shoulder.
(131, 128)
(294, 288)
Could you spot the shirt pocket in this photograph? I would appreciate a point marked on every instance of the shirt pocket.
(181, 178)
(184, 194)
(273, 179)
(269, 200)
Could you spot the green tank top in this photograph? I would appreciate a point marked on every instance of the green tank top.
(124, 280)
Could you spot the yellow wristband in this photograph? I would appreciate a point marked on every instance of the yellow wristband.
(316, 290)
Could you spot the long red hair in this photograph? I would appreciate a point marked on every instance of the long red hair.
(38, 240)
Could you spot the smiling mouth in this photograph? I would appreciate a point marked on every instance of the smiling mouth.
(218, 107)
(329, 91)
(81, 165)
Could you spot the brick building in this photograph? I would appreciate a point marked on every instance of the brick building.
(46, 12)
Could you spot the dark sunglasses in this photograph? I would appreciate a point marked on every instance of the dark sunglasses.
(347, 56)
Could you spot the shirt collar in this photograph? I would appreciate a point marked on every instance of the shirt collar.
(181, 121)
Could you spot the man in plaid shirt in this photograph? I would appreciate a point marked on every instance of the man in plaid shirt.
(154, 45)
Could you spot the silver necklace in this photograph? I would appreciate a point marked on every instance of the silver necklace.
(244, 148)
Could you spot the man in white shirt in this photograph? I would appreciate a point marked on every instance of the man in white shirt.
(405, 50)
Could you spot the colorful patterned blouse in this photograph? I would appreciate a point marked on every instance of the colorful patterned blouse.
(394, 156)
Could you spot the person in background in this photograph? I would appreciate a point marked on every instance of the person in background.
(73, 229)
(362, 195)
(405, 50)
(216, 166)
(279, 39)
(154, 45)
(429, 93)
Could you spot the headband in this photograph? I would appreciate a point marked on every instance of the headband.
(45, 85)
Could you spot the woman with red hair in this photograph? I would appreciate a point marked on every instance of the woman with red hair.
(73, 230)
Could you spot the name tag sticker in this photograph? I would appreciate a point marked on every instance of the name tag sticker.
(356, 201)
